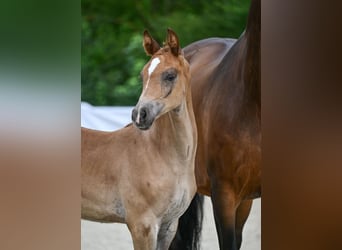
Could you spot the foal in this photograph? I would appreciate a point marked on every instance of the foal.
(143, 175)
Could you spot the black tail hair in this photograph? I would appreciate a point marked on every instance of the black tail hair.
(189, 229)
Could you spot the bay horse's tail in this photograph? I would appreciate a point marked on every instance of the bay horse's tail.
(190, 226)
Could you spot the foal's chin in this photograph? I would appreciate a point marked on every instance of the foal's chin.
(144, 126)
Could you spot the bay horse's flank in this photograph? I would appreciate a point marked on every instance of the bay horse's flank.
(226, 98)
(143, 174)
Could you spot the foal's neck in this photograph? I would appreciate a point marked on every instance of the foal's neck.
(177, 130)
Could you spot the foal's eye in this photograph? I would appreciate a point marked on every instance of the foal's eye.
(170, 77)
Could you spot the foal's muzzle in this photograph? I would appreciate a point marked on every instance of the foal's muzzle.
(144, 114)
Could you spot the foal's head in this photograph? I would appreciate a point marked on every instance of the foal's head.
(166, 78)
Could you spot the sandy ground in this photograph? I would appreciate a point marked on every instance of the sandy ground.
(98, 236)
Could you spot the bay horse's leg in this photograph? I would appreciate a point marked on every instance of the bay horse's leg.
(242, 213)
(224, 206)
(144, 231)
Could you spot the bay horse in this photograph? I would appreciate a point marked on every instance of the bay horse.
(225, 88)
(143, 174)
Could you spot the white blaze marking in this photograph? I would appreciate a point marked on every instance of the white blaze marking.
(138, 117)
(152, 67)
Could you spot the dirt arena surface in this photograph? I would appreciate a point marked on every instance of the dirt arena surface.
(98, 236)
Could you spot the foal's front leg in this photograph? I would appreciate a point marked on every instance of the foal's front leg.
(166, 234)
(144, 231)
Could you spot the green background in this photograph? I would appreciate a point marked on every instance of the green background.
(112, 52)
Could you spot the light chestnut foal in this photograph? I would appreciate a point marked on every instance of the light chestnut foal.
(143, 175)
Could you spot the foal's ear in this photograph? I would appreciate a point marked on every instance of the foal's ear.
(172, 41)
(150, 45)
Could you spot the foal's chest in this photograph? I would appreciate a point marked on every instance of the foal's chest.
(178, 201)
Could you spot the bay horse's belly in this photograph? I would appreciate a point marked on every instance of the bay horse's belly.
(240, 172)
(231, 162)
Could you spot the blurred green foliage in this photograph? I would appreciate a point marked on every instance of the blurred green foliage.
(112, 52)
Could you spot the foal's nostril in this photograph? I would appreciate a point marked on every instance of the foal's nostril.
(139, 115)
(143, 113)
(134, 114)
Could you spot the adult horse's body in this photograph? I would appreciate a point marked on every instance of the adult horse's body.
(226, 98)
(143, 175)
